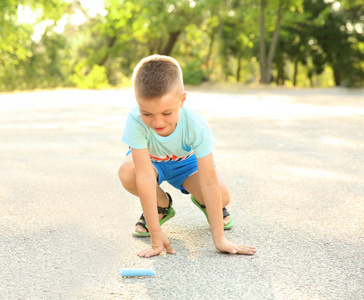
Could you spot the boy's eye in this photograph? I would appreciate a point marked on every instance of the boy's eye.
(146, 114)
(167, 114)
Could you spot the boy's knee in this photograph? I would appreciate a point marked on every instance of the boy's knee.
(126, 173)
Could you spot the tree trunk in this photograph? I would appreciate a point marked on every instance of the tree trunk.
(310, 75)
(212, 40)
(266, 62)
(238, 68)
(337, 75)
(262, 42)
(109, 45)
(295, 73)
(173, 36)
(274, 42)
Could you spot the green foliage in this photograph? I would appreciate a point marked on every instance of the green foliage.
(331, 42)
(193, 73)
(95, 78)
(320, 43)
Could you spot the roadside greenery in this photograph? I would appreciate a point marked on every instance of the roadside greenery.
(65, 43)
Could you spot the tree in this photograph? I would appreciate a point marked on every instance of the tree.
(237, 36)
(335, 38)
(265, 60)
(339, 39)
(216, 39)
(16, 44)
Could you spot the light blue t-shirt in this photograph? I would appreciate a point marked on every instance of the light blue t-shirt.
(192, 135)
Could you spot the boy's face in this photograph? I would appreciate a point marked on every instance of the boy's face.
(162, 114)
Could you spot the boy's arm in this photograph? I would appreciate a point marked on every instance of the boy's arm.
(146, 186)
(211, 194)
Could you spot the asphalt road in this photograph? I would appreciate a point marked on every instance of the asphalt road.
(294, 163)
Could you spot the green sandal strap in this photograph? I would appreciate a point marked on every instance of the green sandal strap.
(168, 213)
(225, 213)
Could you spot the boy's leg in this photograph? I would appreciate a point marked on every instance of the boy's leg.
(128, 180)
(192, 185)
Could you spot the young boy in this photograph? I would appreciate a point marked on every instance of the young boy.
(169, 142)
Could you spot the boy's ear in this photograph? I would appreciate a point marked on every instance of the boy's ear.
(184, 95)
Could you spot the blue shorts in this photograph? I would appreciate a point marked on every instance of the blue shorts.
(176, 172)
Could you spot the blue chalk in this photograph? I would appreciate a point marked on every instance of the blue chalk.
(136, 272)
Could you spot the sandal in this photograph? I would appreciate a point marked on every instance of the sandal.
(225, 213)
(168, 213)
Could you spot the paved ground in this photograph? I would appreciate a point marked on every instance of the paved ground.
(294, 162)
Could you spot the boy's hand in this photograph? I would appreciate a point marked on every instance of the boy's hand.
(159, 241)
(224, 245)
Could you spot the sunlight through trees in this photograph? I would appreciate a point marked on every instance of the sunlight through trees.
(96, 44)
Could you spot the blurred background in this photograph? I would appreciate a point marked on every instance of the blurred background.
(96, 43)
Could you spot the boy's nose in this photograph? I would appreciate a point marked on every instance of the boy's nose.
(157, 123)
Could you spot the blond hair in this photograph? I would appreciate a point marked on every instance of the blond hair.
(156, 75)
